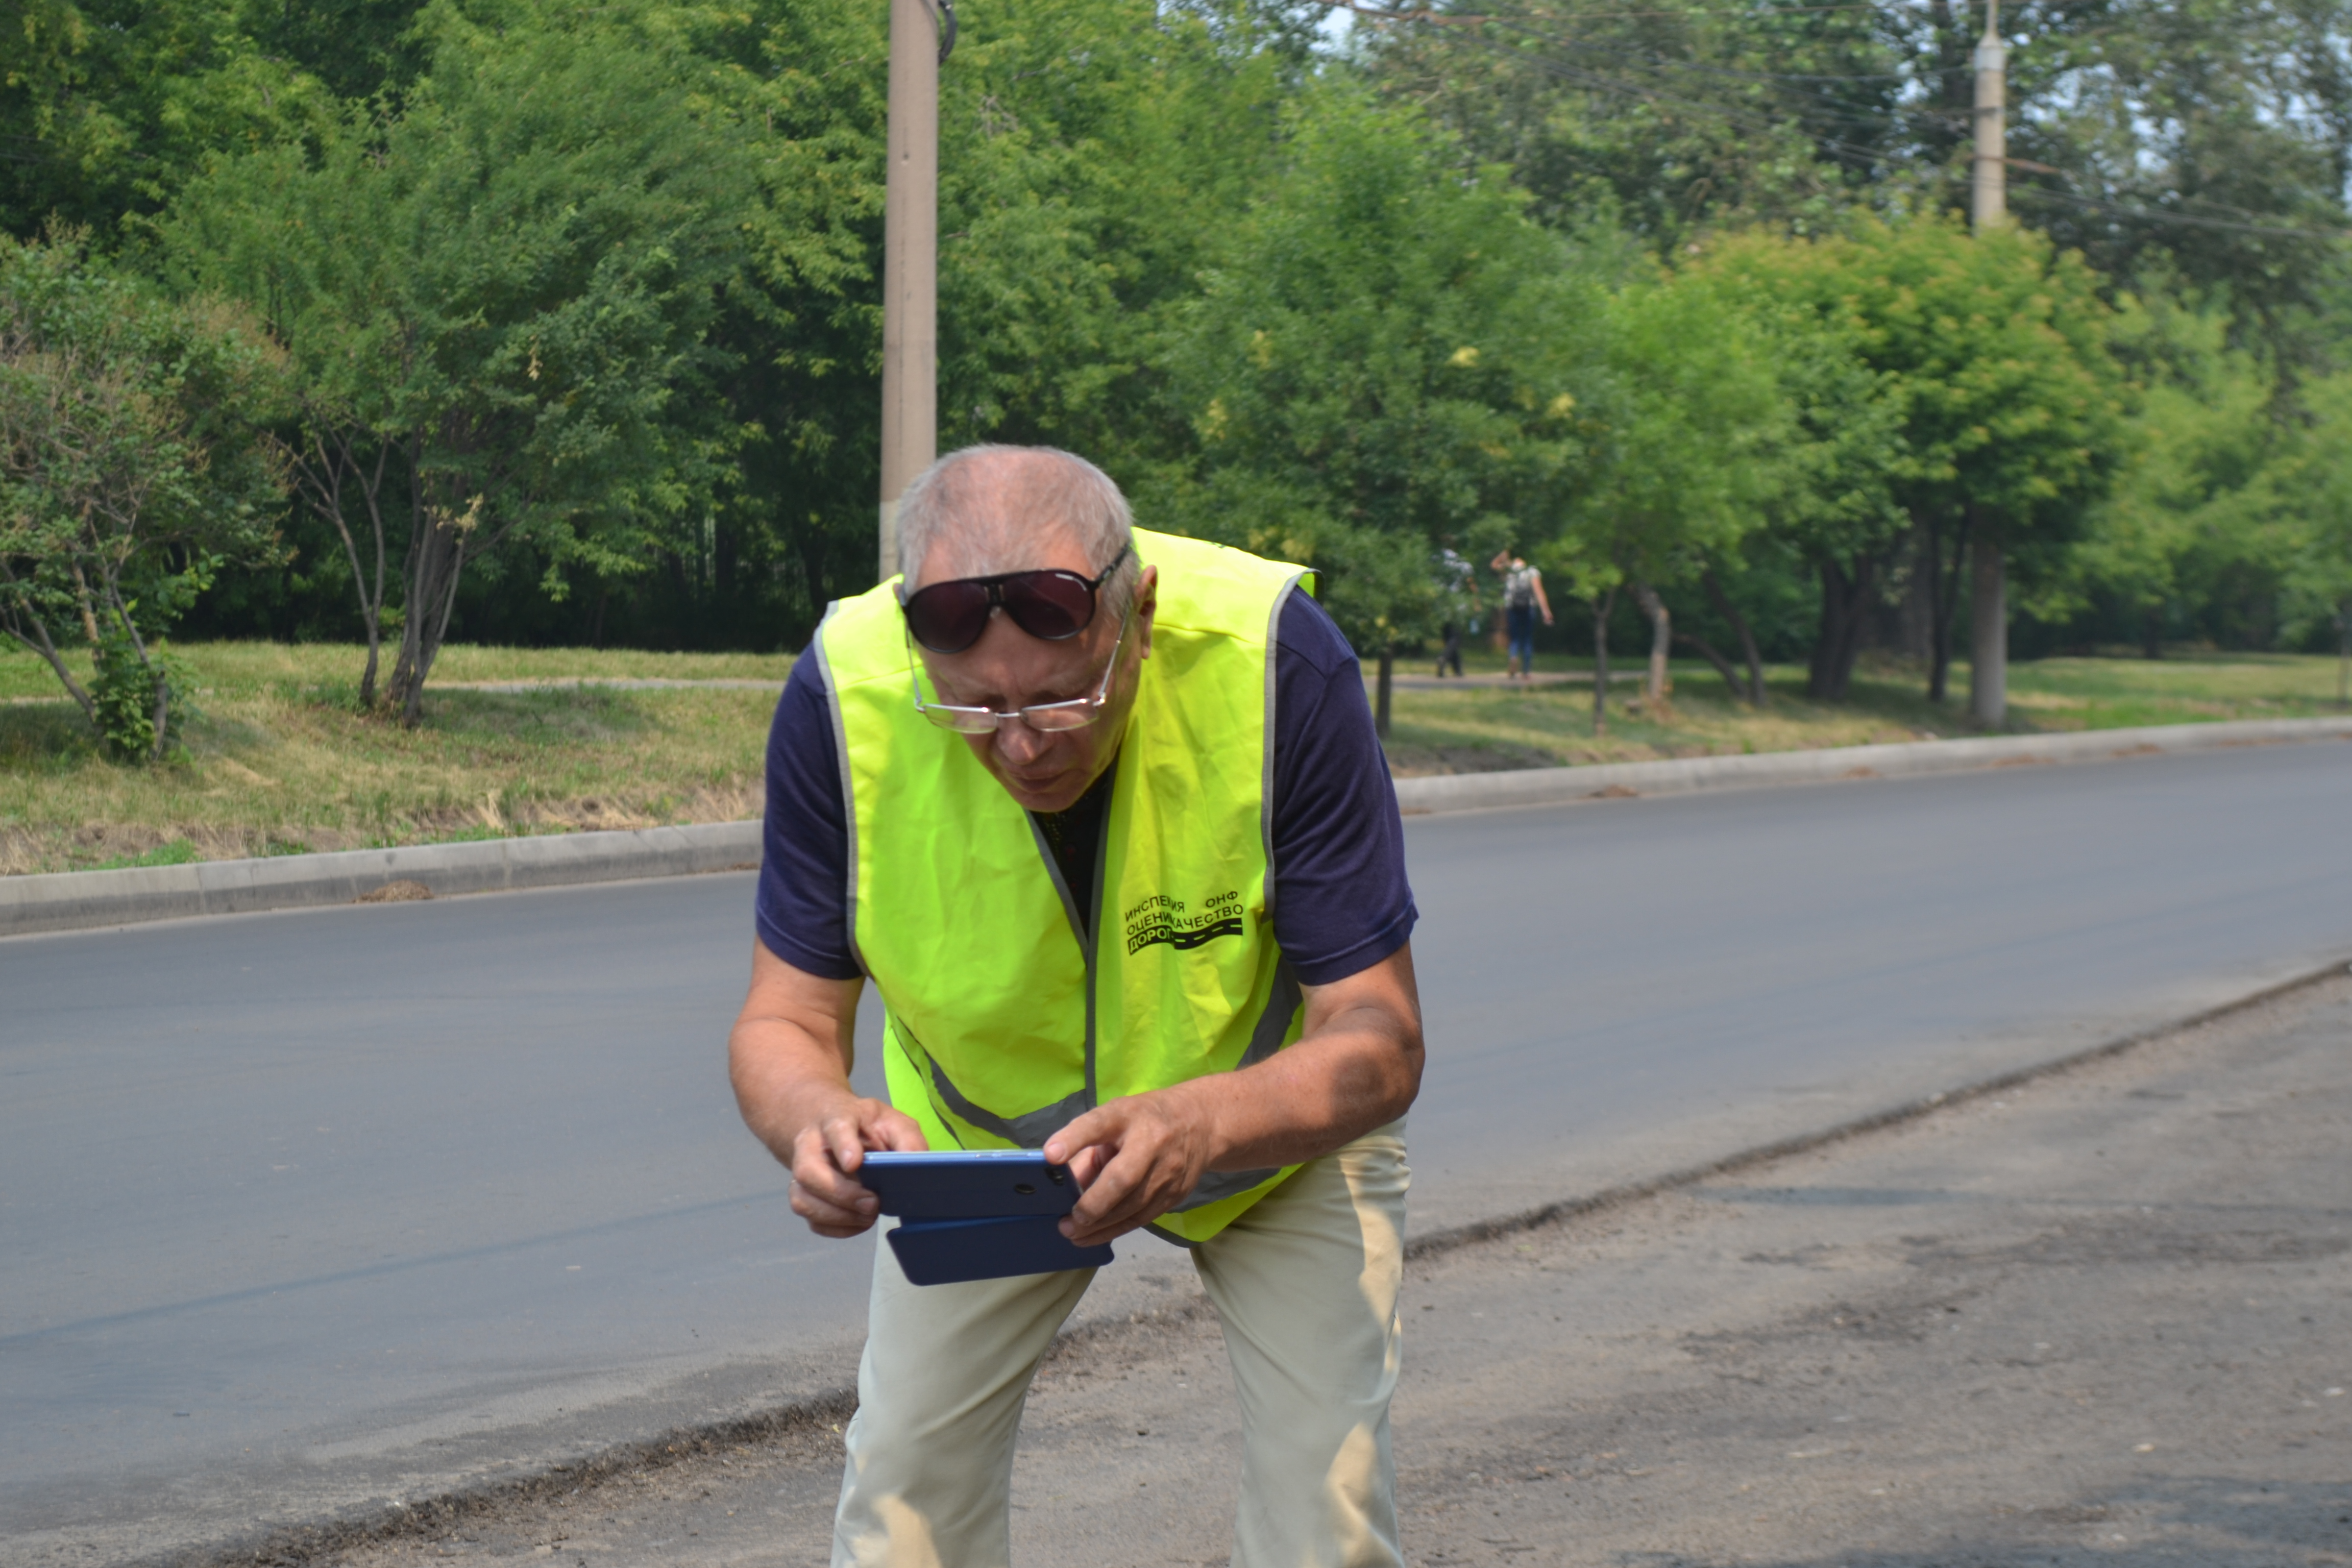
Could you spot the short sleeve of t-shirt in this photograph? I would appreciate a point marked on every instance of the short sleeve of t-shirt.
(1341, 903)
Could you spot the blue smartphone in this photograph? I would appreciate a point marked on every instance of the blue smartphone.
(967, 1184)
(977, 1214)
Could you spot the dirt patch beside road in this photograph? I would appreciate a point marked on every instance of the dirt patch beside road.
(2107, 1317)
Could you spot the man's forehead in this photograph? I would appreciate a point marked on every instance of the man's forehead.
(1006, 532)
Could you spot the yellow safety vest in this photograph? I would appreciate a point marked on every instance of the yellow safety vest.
(1006, 1019)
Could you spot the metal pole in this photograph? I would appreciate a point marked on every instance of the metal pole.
(1989, 173)
(910, 226)
(1989, 208)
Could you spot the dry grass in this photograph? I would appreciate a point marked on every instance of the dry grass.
(282, 763)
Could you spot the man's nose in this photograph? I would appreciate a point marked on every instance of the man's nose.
(1021, 744)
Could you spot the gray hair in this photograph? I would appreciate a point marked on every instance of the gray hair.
(987, 506)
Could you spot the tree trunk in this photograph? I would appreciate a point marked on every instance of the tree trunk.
(436, 559)
(371, 606)
(15, 616)
(1602, 605)
(1381, 692)
(1944, 594)
(322, 469)
(1989, 644)
(2343, 654)
(1756, 693)
(1845, 596)
(2151, 632)
(1660, 683)
(1723, 667)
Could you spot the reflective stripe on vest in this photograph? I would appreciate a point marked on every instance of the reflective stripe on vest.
(1014, 1003)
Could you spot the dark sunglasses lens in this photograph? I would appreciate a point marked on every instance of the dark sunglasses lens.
(1049, 604)
(948, 617)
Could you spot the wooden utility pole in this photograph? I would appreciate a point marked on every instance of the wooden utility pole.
(919, 41)
(1989, 208)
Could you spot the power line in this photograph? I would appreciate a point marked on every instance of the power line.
(1652, 92)
(2158, 215)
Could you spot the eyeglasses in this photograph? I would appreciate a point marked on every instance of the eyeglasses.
(1075, 714)
(1053, 606)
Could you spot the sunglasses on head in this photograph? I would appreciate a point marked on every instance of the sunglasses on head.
(1051, 606)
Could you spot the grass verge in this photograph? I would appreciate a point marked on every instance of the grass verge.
(281, 762)
(1473, 728)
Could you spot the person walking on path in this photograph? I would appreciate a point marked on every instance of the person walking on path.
(1523, 599)
(1458, 581)
(1101, 814)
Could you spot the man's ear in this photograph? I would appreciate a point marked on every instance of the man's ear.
(1147, 604)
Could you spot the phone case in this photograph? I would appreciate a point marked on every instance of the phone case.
(951, 1251)
(967, 1184)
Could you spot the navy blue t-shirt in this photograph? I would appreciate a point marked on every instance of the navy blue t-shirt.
(1340, 900)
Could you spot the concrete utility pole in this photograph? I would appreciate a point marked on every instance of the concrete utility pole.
(920, 42)
(1989, 208)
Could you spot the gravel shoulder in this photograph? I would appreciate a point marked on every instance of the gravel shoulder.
(2105, 1317)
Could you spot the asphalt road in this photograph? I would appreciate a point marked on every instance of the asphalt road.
(303, 1212)
(2103, 1317)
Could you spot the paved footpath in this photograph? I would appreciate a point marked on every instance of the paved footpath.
(2104, 1318)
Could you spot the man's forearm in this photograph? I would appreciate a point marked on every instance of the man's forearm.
(1356, 1066)
(784, 1079)
(1314, 1097)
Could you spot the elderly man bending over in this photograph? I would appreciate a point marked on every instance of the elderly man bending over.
(1101, 813)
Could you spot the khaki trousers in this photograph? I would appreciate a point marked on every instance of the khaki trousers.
(1306, 1285)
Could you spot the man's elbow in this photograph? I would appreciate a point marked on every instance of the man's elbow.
(1403, 1075)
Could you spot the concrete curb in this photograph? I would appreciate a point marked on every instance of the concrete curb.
(77, 901)
(1679, 775)
(69, 901)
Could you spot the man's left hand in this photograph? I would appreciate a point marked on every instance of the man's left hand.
(1135, 1158)
(1356, 1066)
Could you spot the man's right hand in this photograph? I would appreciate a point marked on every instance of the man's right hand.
(826, 1154)
(790, 1057)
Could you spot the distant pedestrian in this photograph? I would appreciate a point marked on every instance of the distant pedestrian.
(1523, 600)
(1458, 580)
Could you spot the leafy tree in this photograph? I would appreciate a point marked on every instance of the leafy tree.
(2204, 146)
(127, 473)
(2209, 143)
(107, 106)
(1994, 347)
(1680, 460)
(2195, 497)
(1830, 491)
(553, 221)
(2316, 487)
(1668, 120)
(1382, 356)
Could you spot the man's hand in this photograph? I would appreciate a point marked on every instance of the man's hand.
(1136, 1158)
(1357, 1066)
(790, 1057)
(826, 1154)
